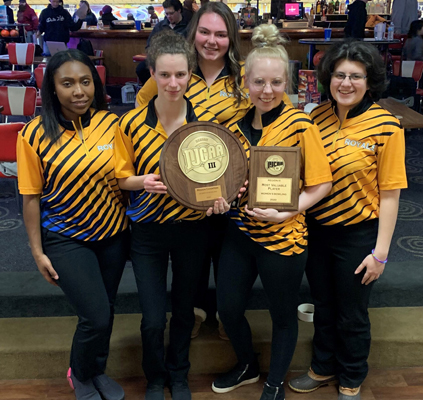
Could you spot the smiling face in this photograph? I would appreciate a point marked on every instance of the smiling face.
(211, 37)
(266, 82)
(348, 93)
(75, 90)
(171, 75)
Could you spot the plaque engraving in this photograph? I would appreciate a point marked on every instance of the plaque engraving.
(274, 190)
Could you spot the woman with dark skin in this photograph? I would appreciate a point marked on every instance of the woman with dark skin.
(73, 212)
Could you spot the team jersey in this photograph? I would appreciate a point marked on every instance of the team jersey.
(79, 194)
(218, 98)
(366, 154)
(140, 138)
(288, 127)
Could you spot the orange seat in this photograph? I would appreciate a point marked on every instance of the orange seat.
(139, 57)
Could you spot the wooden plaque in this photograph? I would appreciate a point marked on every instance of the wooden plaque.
(274, 180)
(202, 161)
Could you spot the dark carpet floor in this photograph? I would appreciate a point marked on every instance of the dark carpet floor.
(24, 293)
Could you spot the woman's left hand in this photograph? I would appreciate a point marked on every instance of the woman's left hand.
(374, 269)
(221, 206)
(268, 214)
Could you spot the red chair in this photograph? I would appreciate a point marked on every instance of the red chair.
(101, 69)
(39, 76)
(19, 54)
(139, 57)
(318, 57)
(410, 69)
(98, 53)
(396, 48)
(8, 138)
(18, 100)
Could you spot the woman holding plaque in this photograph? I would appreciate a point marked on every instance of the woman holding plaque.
(350, 230)
(161, 227)
(266, 242)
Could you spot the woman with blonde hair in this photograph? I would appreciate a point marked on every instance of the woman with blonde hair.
(266, 242)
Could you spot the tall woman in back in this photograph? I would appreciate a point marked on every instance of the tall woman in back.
(73, 212)
(350, 230)
(266, 242)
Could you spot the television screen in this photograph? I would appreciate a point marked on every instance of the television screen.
(293, 10)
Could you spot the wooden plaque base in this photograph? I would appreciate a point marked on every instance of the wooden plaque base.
(274, 180)
(202, 161)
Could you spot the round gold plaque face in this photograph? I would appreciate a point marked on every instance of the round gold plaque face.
(203, 157)
(275, 165)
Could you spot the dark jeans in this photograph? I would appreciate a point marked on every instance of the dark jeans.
(216, 225)
(89, 275)
(341, 342)
(241, 261)
(143, 72)
(151, 245)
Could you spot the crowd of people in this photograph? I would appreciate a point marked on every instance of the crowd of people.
(93, 197)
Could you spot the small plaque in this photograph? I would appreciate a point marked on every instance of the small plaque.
(274, 180)
(202, 161)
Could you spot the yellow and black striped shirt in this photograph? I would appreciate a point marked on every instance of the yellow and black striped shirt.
(140, 138)
(287, 127)
(80, 197)
(218, 98)
(366, 154)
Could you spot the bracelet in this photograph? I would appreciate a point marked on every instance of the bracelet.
(381, 261)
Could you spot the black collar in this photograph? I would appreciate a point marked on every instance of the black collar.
(68, 125)
(225, 72)
(182, 22)
(359, 109)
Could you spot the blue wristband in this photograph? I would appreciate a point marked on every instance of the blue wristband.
(382, 262)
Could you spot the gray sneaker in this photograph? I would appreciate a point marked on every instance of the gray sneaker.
(305, 383)
(108, 388)
(349, 394)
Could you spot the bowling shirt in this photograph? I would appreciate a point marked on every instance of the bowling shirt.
(288, 127)
(366, 154)
(80, 197)
(140, 138)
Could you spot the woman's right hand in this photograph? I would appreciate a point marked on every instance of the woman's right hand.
(46, 268)
(152, 184)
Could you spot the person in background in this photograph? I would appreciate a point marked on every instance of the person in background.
(266, 242)
(175, 21)
(73, 211)
(26, 15)
(130, 17)
(10, 17)
(404, 12)
(413, 47)
(107, 17)
(357, 18)
(160, 226)
(56, 22)
(90, 19)
(351, 228)
(152, 13)
(188, 10)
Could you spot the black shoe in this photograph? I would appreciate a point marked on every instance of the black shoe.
(238, 376)
(180, 391)
(154, 392)
(272, 392)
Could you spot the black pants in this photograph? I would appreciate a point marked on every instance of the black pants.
(143, 72)
(216, 225)
(241, 261)
(151, 245)
(341, 342)
(89, 275)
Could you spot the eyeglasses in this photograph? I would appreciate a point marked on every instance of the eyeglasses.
(340, 76)
(170, 13)
(260, 84)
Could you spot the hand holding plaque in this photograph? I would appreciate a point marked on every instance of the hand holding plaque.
(274, 177)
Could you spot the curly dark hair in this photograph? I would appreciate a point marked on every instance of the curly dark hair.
(233, 56)
(359, 51)
(169, 42)
(51, 107)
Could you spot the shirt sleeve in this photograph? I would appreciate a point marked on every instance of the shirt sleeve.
(391, 173)
(30, 170)
(124, 151)
(147, 92)
(315, 163)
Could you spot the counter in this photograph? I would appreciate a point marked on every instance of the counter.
(120, 45)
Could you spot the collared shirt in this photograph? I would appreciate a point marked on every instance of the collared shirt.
(366, 154)
(80, 197)
(288, 127)
(140, 138)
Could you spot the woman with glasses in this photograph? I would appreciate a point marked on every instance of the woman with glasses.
(350, 230)
(266, 242)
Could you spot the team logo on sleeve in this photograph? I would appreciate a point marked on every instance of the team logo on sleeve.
(203, 157)
(274, 165)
